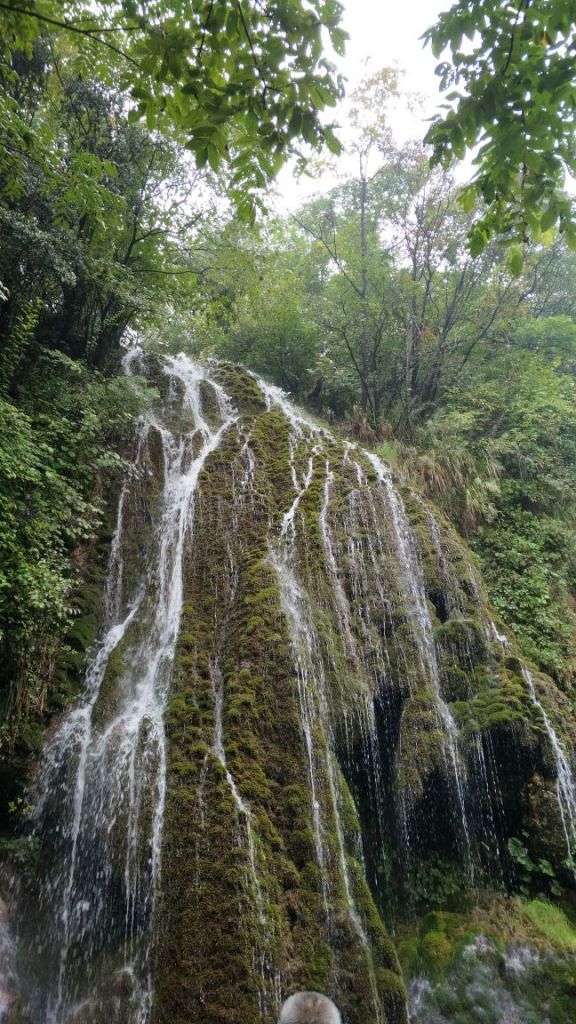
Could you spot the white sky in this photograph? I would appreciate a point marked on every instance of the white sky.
(383, 33)
(388, 33)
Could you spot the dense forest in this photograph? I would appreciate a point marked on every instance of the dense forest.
(393, 307)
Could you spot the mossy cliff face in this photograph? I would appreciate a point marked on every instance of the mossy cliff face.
(342, 717)
(335, 735)
(245, 904)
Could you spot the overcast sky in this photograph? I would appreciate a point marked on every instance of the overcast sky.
(389, 33)
(382, 33)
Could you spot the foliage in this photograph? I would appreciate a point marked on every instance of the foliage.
(53, 448)
(92, 223)
(21, 853)
(552, 922)
(456, 467)
(529, 565)
(379, 266)
(532, 875)
(271, 329)
(243, 83)
(510, 77)
(498, 455)
(435, 881)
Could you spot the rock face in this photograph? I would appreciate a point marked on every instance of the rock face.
(300, 717)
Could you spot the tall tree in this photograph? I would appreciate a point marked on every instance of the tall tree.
(405, 302)
(94, 218)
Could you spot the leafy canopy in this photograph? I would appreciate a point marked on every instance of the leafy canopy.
(243, 82)
(511, 88)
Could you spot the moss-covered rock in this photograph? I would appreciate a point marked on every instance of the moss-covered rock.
(503, 959)
(349, 739)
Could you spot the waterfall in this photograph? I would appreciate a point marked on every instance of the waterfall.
(310, 443)
(316, 728)
(101, 787)
(565, 782)
(8, 979)
(287, 713)
(311, 681)
(415, 592)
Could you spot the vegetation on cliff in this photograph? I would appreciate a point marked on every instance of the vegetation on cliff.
(366, 304)
(369, 727)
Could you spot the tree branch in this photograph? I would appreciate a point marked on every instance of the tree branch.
(89, 33)
(512, 36)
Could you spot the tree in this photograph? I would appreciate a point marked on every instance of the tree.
(92, 217)
(90, 228)
(405, 303)
(242, 82)
(512, 90)
(272, 329)
(499, 456)
(347, 226)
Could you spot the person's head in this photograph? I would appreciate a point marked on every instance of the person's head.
(309, 1008)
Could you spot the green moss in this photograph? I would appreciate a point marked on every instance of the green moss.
(456, 683)
(436, 952)
(422, 745)
(504, 702)
(552, 923)
(247, 396)
(244, 630)
(463, 640)
(392, 994)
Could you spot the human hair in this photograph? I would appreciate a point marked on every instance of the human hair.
(309, 1008)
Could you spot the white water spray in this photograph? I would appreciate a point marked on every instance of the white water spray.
(565, 782)
(102, 782)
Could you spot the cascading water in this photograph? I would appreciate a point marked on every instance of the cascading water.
(414, 586)
(304, 434)
(312, 688)
(565, 782)
(101, 788)
(287, 700)
(8, 980)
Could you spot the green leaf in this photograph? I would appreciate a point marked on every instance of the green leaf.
(549, 218)
(515, 261)
(213, 157)
(545, 868)
(333, 144)
(467, 198)
(339, 38)
(477, 243)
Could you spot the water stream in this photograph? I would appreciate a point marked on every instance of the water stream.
(350, 613)
(101, 787)
(565, 782)
(411, 574)
(311, 678)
